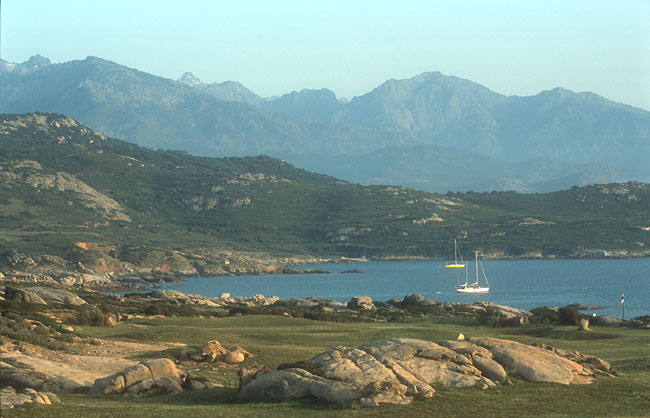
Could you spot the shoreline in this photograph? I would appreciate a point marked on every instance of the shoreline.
(272, 266)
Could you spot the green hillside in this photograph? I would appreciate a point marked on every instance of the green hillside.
(62, 183)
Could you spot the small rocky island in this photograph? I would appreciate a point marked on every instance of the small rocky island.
(353, 271)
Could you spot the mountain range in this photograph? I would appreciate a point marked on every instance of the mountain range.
(432, 131)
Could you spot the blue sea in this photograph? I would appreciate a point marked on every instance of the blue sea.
(523, 284)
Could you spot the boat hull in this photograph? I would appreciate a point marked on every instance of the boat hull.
(463, 289)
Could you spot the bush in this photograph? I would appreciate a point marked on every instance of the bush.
(153, 310)
(13, 326)
(569, 316)
(93, 316)
(491, 317)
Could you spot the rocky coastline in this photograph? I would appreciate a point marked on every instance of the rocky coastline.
(100, 267)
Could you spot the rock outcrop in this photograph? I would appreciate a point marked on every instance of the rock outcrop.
(533, 364)
(396, 370)
(10, 398)
(214, 352)
(151, 377)
(362, 303)
(70, 373)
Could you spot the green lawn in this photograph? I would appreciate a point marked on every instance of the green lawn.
(275, 340)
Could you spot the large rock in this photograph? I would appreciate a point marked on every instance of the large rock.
(441, 372)
(396, 370)
(213, 346)
(585, 360)
(167, 294)
(334, 391)
(352, 365)
(164, 367)
(362, 303)
(159, 376)
(21, 371)
(213, 351)
(9, 398)
(606, 321)
(108, 384)
(234, 357)
(531, 363)
(507, 312)
(58, 296)
(466, 348)
(412, 300)
(385, 398)
(25, 296)
(246, 374)
(158, 386)
(21, 378)
(297, 303)
(287, 383)
(490, 368)
(546, 312)
(135, 374)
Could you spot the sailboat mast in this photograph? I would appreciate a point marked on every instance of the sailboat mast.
(476, 254)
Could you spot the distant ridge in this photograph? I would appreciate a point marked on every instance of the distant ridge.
(582, 132)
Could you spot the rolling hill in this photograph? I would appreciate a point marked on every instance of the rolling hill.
(62, 183)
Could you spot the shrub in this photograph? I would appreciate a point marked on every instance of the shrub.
(93, 316)
(155, 310)
(13, 326)
(491, 317)
(568, 316)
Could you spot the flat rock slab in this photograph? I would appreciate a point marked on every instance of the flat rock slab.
(396, 370)
(69, 374)
(532, 363)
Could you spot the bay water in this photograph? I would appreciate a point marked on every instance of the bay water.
(523, 284)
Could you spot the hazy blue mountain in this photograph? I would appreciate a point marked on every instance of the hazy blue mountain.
(162, 113)
(449, 111)
(319, 105)
(34, 63)
(577, 136)
(228, 91)
(577, 127)
(560, 124)
(437, 109)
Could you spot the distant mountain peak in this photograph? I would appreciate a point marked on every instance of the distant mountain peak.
(32, 64)
(429, 75)
(314, 93)
(37, 61)
(190, 79)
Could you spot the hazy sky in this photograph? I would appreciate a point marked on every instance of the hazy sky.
(274, 46)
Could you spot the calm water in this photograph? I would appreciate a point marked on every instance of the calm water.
(523, 284)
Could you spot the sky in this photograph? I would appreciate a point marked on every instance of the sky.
(513, 47)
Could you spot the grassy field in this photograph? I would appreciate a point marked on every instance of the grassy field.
(275, 340)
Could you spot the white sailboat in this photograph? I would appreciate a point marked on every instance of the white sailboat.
(475, 287)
